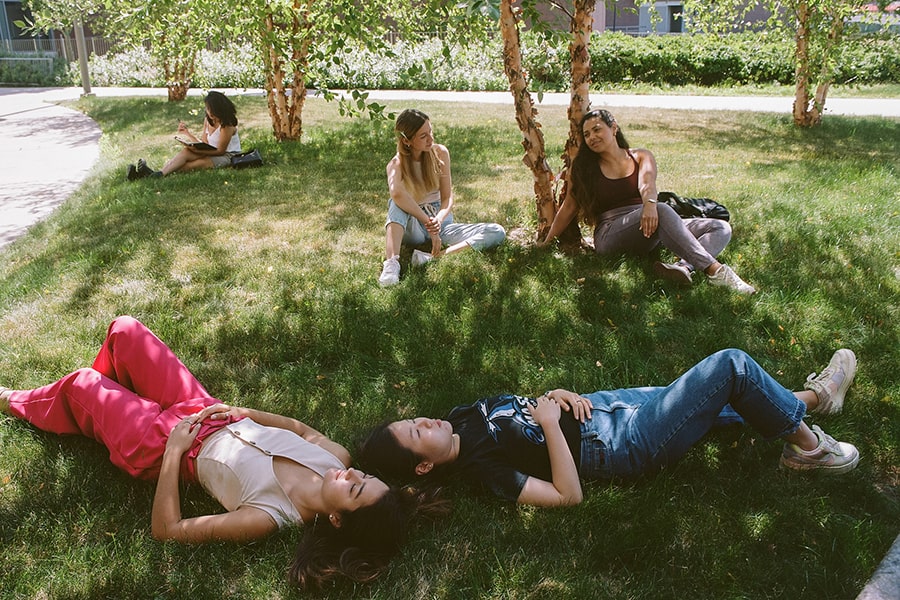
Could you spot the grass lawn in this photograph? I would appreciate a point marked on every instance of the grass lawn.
(264, 282)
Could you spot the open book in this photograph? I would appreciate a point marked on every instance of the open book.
(195, 145)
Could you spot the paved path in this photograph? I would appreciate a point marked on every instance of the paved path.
(46, 153)
(48, 150)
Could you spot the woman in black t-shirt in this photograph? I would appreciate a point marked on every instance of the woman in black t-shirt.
(527, 451)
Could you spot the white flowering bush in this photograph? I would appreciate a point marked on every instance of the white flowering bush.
(130, 68)
(417, 66)
(237, 66)
(615, 58)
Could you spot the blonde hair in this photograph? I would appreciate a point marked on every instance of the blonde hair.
(428, 178)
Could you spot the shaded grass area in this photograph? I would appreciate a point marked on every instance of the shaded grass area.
(264, 282)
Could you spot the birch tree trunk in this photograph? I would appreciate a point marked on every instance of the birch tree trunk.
(286, 109)
(801, 72)
(526, 117)
(582, 27)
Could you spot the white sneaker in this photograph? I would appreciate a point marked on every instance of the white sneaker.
(830, 456)
(728, 278)
(390, 272)
(419, 258)
(831, 384)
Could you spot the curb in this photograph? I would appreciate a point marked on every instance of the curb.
(885, 582)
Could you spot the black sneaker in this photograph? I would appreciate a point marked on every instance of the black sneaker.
(131, 175)
(142, 169)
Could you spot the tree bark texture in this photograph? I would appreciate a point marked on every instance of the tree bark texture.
(801, 93)
(286, 105)
(579, 102)
(526, 117)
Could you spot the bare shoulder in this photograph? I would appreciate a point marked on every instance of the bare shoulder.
(643, 156)
(642, 153)
(442, 151)
(393, 164)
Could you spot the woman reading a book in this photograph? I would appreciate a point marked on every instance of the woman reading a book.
(268, 471)
(218, 142)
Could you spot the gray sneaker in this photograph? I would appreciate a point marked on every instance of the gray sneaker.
(674, 272)
(728, 278)
(832, 383)
(390, 272)
(830, 456)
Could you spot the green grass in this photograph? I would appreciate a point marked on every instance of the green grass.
(263, 281)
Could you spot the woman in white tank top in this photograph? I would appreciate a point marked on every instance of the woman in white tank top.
(420, 208)
(268, 471)
(218, 142)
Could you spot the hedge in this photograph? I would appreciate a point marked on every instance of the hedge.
(616, 58)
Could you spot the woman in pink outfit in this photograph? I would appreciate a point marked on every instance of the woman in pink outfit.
(267, 470)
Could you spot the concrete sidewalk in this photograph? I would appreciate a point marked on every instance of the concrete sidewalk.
(47, 152)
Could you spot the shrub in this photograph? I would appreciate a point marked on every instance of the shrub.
(31, 69)
(616, 58)
(237, 66)
(130, 68)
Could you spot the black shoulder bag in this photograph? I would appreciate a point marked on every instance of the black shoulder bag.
(689, 208)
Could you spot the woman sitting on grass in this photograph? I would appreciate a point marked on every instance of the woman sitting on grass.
(267, 470)
(613, 188)
(219, 131)
(422, 200)
(525, 450)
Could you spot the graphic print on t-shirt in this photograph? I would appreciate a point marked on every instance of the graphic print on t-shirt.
(511, 412)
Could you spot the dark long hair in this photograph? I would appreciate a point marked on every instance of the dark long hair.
(361, 548)
(223, 108)
(381, 454)
(585, 173)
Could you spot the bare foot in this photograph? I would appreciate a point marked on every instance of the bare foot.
(5, 393)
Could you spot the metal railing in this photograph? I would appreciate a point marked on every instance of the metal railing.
(62, 47)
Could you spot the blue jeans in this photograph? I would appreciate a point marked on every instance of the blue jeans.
(479, 236)
(637, 430)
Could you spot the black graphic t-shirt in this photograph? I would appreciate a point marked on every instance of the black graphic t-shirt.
(501, 446)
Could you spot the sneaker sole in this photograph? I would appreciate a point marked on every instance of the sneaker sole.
(671, 273)
(829, 470)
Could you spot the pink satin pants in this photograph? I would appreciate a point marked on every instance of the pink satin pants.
(130, 399)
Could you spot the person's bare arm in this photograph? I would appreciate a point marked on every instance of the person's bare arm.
(647, 185)
(166, 522)
(403, 199)
(565, 488)
(564, 216)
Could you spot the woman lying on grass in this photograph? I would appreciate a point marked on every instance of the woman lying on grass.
(267, 470)
(526, 450)
(613, 188)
